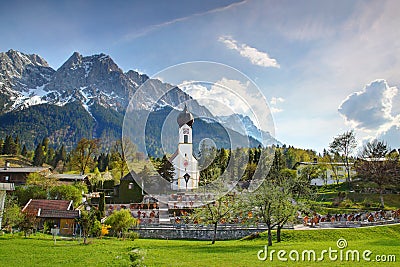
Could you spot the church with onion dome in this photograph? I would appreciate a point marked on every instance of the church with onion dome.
(185, 164)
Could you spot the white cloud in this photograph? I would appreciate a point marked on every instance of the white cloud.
(133, 35)
(256, 57)
(372, 113)
(276, 110)
(276, 100)
(370, 108)
(391, 136)
(228, 96)
(221, 98)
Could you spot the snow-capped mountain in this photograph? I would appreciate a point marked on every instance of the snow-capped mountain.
(86, 97)
(20, 76)
(244, 125)
(28, 80)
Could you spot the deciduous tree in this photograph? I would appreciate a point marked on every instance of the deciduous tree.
(82, 155)
(86, 222)
(344, 145)
(12, 216)
(66, 192)
(120, 221)
(124, 151)
(378, 165)
(224, 209)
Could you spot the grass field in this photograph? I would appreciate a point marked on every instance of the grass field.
(40, 250)
(353, 202)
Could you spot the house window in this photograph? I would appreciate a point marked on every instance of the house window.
(186, 138)
(130, 186)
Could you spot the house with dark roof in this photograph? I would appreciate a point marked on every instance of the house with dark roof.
(18, 175)
(128, 191)
(71, 179)
(56, 212)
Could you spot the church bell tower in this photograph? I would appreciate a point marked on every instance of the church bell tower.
(185, 164)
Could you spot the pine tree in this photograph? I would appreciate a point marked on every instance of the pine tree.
(45, 144)
(7, 145)
(39, 157)
(51, 156)
(61, 154)
(166, 169)
(17, 146)
(277, 166)
(102, 205)
(24, 151)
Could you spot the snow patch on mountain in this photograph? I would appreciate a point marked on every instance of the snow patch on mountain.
(244, 125)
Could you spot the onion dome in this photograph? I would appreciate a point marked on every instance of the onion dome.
(185, 117)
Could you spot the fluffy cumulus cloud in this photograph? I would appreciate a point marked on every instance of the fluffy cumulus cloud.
(229, 96)
(391, 136)
(222, 98)
(371, 108)
(374, 112)
(256, 57)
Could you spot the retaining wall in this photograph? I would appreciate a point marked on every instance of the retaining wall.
(198, 234)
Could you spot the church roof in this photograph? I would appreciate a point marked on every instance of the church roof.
(185, 117)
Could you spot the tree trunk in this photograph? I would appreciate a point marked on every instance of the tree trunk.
(381, 198)
(215, 233)
(269, 235)
(348, 177)
(278, 233)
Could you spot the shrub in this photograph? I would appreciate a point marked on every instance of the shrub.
(105, 229)
(347, 203)
(366, 203)
(136, 256)
(47, 225)
(96, 229)
(131, 235)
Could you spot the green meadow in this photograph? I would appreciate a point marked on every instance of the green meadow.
(40, 250)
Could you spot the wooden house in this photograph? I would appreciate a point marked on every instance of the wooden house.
(18, 175)
(57, 212)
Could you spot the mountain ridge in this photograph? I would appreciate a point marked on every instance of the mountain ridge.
(94, 83)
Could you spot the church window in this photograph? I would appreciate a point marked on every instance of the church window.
(186, 138)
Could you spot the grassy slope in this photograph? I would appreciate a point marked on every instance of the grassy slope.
(328, 194)
(41, 251)
(15, 161)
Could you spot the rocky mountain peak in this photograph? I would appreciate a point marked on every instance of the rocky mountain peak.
(90, 87)
(90, 79)
(137, 77)
(22, 72)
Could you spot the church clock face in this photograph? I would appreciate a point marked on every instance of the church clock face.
(185, 131)
(185, 163)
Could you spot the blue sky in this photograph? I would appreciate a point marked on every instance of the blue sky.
(307, 57)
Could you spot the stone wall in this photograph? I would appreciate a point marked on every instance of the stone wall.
(196, 233)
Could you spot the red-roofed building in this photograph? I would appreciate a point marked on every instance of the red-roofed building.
(57, 212)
